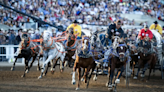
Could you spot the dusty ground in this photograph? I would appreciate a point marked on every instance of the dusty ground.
(11, 81)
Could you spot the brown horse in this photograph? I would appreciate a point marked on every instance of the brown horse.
(146, 58)
(134, 56)
(85, 61)
(117, 60)
(70, 45)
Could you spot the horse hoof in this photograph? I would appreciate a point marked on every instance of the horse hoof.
(95, 78)
(117, 81)
(44, 74)
(82, 79)
(66, 64)
(38, 69)
(110, 89)
(26, 71)
(12, 68)
(77, 89)
(142, 75)
(73, 82)
(52, 72)
(22, 76)
(135, 77)
(113, 85)
(106, 84)
(39, 77)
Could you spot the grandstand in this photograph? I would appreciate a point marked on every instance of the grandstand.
(38, 15)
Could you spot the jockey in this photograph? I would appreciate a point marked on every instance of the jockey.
(145, 34)
(76, 29)
(156, 27)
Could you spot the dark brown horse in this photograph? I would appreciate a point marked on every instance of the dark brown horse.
(146, 58)
(83, 60)
(117, 59)
(70, 45)
(27, 50)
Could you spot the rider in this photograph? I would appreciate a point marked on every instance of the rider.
(76, 29)
(114, 30)
(145, 33)
(156, 26)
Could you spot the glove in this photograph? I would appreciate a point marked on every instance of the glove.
(117, 33)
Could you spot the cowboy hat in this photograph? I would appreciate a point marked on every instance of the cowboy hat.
(75, 21)
(155, 22)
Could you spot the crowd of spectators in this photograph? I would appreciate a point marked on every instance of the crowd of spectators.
(63, 12)
(98, 12)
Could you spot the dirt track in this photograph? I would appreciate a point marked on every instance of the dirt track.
(11, 81)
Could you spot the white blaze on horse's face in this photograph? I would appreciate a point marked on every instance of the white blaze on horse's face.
(121, 48)
(85, 44)
(46, 35)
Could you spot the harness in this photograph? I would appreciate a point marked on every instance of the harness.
(112, 52)
(30, 45)
(52, 46)
(73, 46)
(80, 52)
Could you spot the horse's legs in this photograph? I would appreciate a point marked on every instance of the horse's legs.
(44, 64)
(111, 78)
(133, 67)
(73, 74)
(38, 68)
(95, 76)
(90, 74)
(136, 76)
(46, 69)
(79, 77)
(54, 65)
(118, 79)
(144, 69)
(82, 78)
(26, 67)
(34, 57)
(149, 73)
(61, 62)
(12, 68)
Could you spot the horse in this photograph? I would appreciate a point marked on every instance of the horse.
(146, 58)
(51, 50)
(98, 52)
(70, 46)
(117, 59)
(83, 60)
(134, 55)
(27, 50)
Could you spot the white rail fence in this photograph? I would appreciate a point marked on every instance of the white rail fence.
(8, 52)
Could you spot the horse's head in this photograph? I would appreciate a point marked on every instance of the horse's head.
(146, 47)
(46, 36)
(25, 40)
(93, 39)
(70, 34)
(115, 39)
(85, 44)
(121, 50)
